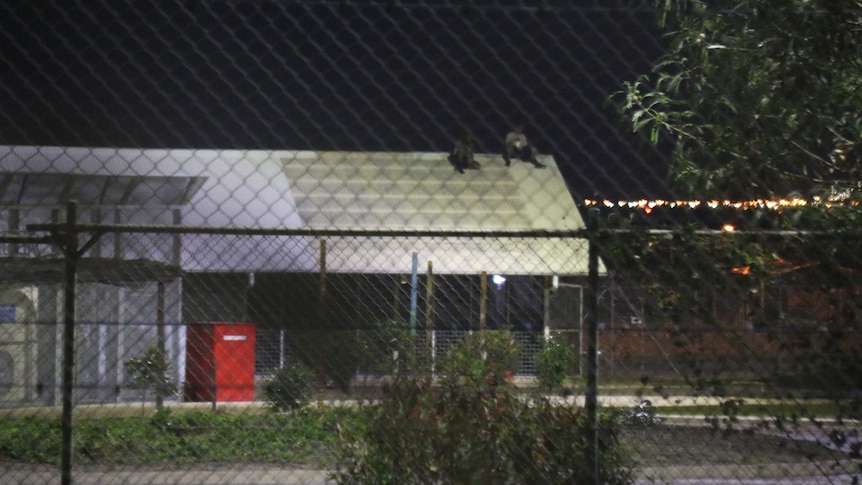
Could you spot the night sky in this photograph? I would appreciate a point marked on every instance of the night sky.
(397, 75)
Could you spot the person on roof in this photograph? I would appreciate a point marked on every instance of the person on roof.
(517, 146)
(461, 156)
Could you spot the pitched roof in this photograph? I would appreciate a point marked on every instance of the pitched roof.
(423, 191)
(306, 189)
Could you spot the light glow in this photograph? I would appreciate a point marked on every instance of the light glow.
(776, 204)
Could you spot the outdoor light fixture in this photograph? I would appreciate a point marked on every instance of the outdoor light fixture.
(498, 280)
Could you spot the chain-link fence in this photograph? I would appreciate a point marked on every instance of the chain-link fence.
(149, 336)
(308, 241)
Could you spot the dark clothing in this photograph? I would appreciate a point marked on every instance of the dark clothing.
(462, 156)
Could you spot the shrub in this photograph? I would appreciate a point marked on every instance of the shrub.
(482, 359)
(152, 370)
(553, 363)
(389, 348)
(290, 387)
(472, 427)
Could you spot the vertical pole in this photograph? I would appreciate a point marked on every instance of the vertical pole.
(14, 225)
(433, 350)
(414, 282)
(321, 312)
(483, 300)
(160, 345)
(211, 341)
(429, 314)
(613, 334)
(582, 353)
(70, 249)
(118, 238)
(96, 218)
(591, 397)
(246, 297)
(546, 303)
(281, 349)
(177, 249)
(396, 297)
(581, 320)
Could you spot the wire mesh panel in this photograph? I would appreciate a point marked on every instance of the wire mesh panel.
(315, 241)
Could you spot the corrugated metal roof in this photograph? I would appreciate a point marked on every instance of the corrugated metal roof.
(339, 190)
(423, 191)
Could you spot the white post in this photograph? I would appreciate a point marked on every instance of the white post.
(281, 348)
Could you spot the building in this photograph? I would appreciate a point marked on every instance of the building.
(132, 282)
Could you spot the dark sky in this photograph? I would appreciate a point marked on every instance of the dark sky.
(399, 75)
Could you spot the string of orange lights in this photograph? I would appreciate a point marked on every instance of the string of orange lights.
(648, 205)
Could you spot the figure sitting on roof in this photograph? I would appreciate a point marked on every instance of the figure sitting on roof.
(517, 146)
(462, 154)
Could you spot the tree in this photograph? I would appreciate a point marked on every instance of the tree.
(756, 98)
(762, 99)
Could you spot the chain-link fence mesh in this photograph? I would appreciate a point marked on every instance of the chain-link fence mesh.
(238, 245)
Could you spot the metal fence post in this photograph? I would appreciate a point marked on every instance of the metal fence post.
(414, 298)
(429, 315)
(160, 345)
(318, 333)
(483, 299)
(70, 251)
(592, 367)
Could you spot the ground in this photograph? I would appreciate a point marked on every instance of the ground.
(664, 453)
(669, 452)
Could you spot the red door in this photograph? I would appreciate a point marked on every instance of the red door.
(220, 362)
(234, 357)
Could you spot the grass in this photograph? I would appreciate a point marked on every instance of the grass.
(308, 438)
(300, 438)
(237, 436)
